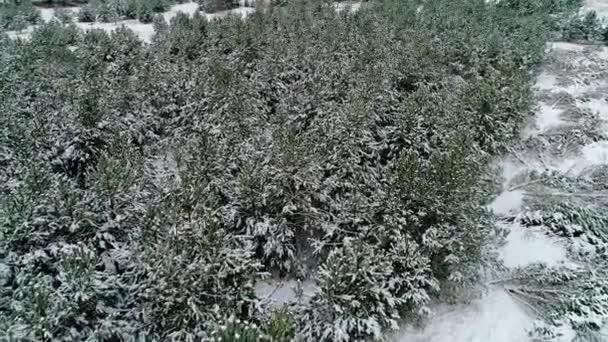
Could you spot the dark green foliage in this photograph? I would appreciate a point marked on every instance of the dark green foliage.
(129, 9)
(87, 14)
(56, 35)
(107, 13)
(185, 35)
(112, 10)
(363, 290)
(159, 5)
(280, 327)
(211, 6)
(160, 26)
(64, 16)
(18, 15)
(541, 6)
(145, 12)
(53, 3)
(583, 28)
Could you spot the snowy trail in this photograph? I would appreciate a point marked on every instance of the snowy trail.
(570, 92)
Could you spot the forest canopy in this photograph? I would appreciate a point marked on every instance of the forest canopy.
(145, 189)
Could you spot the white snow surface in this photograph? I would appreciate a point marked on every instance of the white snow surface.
(46, 14)
(494, 318)
(599, 6)
(546, 81)
(565, 46)
(594, 154)
(598, 107)
(353, 5)
(548, 117)
(281, 292)
(507, 202)
(527, 246)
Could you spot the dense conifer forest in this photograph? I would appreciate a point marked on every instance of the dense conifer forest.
(147, 189)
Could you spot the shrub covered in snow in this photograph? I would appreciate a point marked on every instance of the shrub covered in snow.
(145, 12)
(63, 15)
(87, 14)
(17, 15)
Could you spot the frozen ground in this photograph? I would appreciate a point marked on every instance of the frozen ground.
(494, 318)
(569, 95)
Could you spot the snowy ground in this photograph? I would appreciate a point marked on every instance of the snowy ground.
(571, 93)
(495, 318)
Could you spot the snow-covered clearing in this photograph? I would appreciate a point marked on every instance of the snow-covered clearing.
(494, 318)
(569, 96)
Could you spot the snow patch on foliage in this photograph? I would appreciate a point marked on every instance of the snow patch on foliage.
(352, 5)
(509, 170)
(25, 33)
